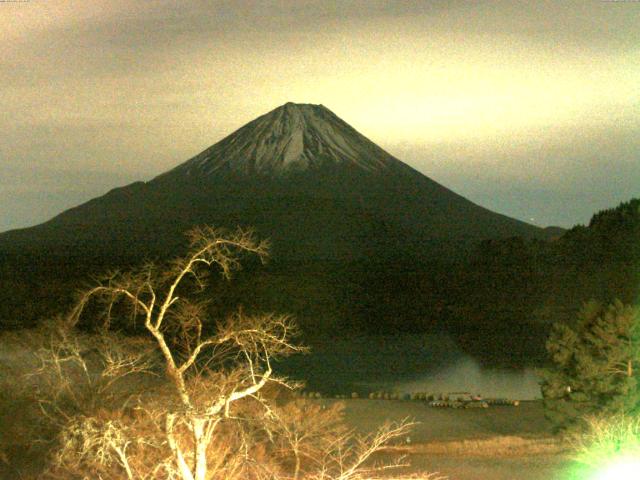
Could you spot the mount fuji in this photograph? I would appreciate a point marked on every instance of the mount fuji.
(300, 176)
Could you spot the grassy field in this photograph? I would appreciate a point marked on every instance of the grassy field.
(497, 443)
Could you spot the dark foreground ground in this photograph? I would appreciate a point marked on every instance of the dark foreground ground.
(497, 443)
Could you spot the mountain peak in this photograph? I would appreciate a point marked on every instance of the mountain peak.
(293, 105)
(294, 109)
(291, 138)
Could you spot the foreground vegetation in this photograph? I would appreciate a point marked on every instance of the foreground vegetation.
(190, 399)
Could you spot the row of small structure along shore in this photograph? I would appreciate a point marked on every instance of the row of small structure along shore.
(451, 399)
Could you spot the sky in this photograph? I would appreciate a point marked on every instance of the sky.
(529, 108)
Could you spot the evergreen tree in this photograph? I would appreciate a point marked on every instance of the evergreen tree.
(594, 365)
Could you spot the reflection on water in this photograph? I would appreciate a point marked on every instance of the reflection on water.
(405, 363)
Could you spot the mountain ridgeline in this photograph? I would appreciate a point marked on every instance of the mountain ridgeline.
(300, 176)
(361, 242)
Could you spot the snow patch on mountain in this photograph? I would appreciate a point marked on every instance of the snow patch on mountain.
(293, 137)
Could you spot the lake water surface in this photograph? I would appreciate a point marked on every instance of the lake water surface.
(406, 363)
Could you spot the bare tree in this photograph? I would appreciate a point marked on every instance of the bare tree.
(248, 343)
(212, 412)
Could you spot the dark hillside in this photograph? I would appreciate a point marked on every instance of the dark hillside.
(514, 289)
(360, 241)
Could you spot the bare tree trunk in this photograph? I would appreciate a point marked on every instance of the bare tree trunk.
(185, 471)
(296, 473)
(200, 448)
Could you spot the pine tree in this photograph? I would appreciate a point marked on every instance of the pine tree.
(594, 365)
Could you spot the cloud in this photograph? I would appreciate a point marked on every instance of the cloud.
(142, 86)
(551, 176)
(34, 195)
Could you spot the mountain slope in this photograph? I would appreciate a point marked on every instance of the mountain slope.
(298, 174)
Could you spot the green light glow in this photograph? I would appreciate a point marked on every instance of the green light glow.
(608, 450)
(620, 469)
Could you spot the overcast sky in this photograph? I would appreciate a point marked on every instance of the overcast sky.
(529, 108)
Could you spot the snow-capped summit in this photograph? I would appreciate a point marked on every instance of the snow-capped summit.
(294, 137)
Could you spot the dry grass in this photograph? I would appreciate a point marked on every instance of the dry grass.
(499, 446)
(414, 476)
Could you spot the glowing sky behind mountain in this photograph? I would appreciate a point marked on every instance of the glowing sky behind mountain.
(531, 109)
